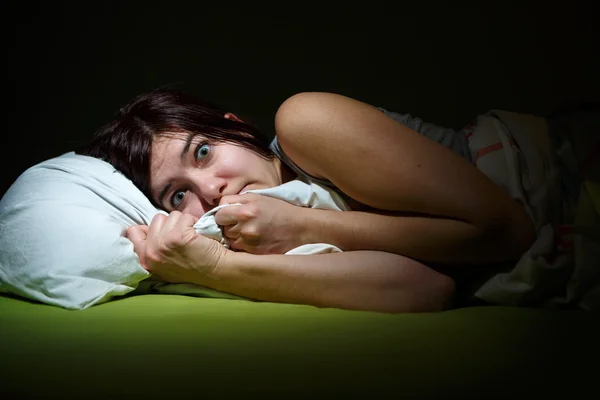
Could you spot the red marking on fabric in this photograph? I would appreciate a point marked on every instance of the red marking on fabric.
(491, 148)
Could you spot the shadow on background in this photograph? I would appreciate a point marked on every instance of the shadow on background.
(74, 64)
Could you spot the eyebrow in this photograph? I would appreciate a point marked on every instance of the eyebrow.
(182, 156)
(162, 194)
(186, 148)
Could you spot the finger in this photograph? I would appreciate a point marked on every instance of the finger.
(233, 199)
(171, 222)
(178, 221)
(156, 225)
(231, 232)
(137, 235)
(228, 215)
(188, 220)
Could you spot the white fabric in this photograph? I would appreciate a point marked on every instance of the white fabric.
(534, 172)
(62, 226)
(295, 192)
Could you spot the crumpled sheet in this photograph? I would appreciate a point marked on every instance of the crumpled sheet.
(536, 164)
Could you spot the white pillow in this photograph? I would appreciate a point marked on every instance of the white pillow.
(62, 226)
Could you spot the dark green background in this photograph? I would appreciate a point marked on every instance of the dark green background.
(73, 64)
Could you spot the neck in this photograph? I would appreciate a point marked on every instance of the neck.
(286, 174)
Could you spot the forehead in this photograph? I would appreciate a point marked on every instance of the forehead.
(166, 154)
(170, 141)
(169, 138)
(170, 144)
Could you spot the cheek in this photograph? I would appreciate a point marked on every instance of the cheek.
(195, 208)
(238, 164)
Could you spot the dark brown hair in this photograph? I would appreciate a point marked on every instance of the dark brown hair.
(126, 141)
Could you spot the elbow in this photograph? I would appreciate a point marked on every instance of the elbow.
(438, 295)
(435, 295)
(507, 241)
(447, 291)
(523, 234)
(509, 234)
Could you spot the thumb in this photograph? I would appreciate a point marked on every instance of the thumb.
(144, 229)
(233, 199)
(137, 234)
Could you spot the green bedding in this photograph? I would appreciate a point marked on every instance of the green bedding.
(172, 346)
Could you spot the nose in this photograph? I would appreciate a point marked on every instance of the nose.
(211, 190)
(204, 197)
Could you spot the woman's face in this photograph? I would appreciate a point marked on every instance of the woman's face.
(192, 177)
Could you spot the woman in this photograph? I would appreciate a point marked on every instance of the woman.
(415, 202)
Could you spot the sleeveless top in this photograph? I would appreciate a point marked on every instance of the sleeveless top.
(453, 140)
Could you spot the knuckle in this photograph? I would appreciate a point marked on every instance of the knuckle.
(172, 240)
(250, 233)
(249, 212)
(153, 256)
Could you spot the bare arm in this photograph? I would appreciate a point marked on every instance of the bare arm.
(385, 165)
(358, 280)
(172, 251)
(427, 239)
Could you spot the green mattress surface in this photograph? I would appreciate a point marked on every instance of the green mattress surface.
(172, 346)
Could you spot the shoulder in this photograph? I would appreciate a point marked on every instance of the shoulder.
(309, 125)
(310, 99)
(324, 110)
(301, 127)
(321, 110)
(312, 107)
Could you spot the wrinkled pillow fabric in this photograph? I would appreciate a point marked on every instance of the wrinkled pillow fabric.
(62, 226)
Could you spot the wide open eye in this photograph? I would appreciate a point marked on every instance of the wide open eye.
(202, 151)
(177, 198)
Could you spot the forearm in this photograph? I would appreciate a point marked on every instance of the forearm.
(359, 280)
(428, 239)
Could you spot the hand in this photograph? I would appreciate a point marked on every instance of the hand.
(261, 224)
(171, 249)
